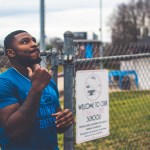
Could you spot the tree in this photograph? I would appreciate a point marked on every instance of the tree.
(129, 20)
(57, 43)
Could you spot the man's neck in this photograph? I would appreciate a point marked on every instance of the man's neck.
(22, 69)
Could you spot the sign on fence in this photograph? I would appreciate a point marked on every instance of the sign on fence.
(92, 105)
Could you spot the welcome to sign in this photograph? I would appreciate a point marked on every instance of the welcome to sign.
(92, 105)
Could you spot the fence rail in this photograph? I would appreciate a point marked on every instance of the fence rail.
(121, 57)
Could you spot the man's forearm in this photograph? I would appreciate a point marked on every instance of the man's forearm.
(21, 121)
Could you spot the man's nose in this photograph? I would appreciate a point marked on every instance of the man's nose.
(34, 44)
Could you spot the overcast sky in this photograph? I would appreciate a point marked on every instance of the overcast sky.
(60, 16)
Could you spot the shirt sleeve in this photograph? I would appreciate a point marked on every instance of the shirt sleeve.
(7, 93)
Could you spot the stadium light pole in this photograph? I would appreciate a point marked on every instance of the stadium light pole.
(100, 30)
(100, 9)
(42, 25)
(42, 31)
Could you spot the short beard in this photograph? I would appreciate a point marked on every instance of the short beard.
(24, 61)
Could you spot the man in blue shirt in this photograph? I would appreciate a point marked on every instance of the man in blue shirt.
(30, 113)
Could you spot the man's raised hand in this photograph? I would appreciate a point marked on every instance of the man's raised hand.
(40, 77)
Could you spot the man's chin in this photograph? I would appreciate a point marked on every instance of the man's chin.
(29, 62)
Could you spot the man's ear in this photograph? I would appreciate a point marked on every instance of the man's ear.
(10, 53)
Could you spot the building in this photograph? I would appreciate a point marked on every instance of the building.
(85, 36)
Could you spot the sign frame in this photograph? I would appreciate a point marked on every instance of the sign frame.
(92, 105)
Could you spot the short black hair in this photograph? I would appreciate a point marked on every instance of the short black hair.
(8, 39)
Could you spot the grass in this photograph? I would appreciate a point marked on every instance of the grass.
(129, 123)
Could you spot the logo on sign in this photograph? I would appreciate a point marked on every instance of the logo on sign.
(93, 87)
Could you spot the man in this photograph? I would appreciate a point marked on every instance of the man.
(30, 113)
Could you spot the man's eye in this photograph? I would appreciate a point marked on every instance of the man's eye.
(24, 41)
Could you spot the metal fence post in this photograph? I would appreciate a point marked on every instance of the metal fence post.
(54, 63)
(68, 85)
(101, 55)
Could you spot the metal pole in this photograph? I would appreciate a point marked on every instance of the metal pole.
(100, 29)
(101, 44)
(68, 85)
(101, 54)
(42, 26)
(54, 63)
(42, 31)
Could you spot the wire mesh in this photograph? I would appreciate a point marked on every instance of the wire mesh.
(129, 93)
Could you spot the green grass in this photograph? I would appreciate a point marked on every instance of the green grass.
(129, 123)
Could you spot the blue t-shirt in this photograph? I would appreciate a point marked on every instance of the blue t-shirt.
(14, 88)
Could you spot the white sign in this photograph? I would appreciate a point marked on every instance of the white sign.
(92, 105)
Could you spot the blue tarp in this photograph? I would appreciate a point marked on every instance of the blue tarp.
(88, 50)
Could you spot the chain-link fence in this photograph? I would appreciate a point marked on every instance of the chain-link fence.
(129, 89)
(129, 93)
